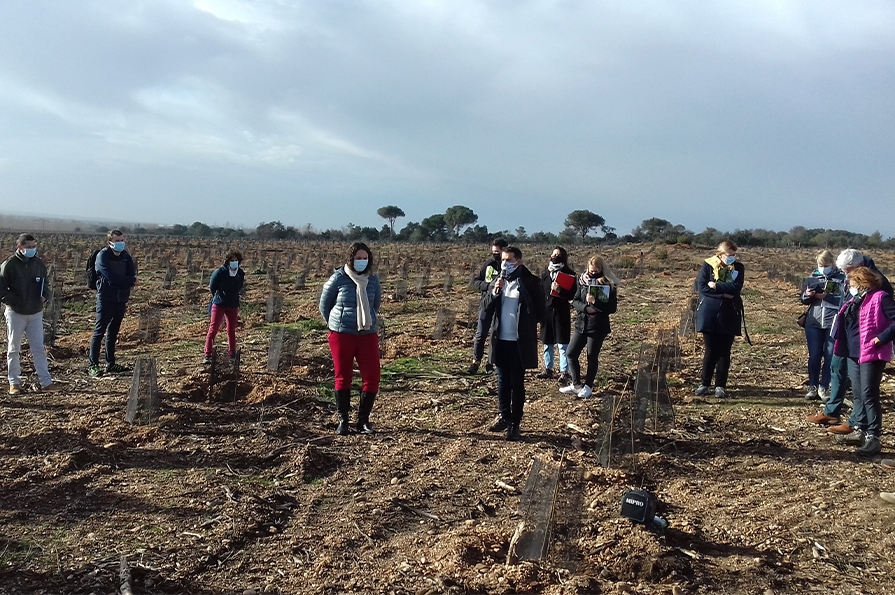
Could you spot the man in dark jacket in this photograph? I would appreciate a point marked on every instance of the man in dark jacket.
(23, 289)
(487, 274)
(117, 274)
(517, 303)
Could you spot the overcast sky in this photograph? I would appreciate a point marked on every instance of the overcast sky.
(730, 114)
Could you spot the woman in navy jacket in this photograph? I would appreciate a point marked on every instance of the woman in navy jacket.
(350, 303)
(719, 314)
(225, 285)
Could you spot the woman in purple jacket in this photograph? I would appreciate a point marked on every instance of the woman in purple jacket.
(874, 312)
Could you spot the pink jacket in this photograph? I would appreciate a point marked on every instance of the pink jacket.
(873, 322)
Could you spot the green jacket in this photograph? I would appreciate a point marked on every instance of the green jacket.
(23, 284)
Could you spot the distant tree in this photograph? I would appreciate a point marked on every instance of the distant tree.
(521, 235)
(270, 231)
(407, 231)
(199, 229)
(457, 217)
(583, 222)
(391, 212)
(477, 234)
(540, 237)
(386, 233)
(433, 228)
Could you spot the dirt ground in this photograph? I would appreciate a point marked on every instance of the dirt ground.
(258, 495)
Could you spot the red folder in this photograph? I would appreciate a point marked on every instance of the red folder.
(564, 280)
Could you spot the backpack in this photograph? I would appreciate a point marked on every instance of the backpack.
(91, 276)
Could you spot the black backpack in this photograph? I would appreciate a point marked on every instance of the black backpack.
(90, 270)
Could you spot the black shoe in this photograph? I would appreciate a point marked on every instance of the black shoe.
(565, 379)
(545, 375)
(499, 425)
(489, 367)
(473, 368)
(513, 433)
(342, 428)
(363, 412)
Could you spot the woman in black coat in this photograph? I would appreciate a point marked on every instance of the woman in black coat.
(596, 297)
(719, 314)
(556, 327)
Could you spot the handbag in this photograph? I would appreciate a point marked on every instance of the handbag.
(803, 318)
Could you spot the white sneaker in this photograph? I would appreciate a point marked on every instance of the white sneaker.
(585, 392)
(569, 390)
(888, 497)
(824, 393)
(812, 392)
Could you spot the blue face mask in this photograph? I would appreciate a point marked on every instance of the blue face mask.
(360, 265)
(508, 267)
(29, 252)
(234, 265)
(118, 246)
(730, 259)
(826, 270)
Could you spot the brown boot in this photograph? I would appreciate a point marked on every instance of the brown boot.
(841, 429)
(822, 419)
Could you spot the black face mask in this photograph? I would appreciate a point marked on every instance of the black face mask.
(556, 259)
(495, 256)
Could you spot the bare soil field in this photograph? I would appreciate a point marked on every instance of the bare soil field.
(257, 495)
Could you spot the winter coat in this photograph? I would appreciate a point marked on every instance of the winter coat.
(23, 285)
(338, 303)
(846, 330)
(594, 325)
(823, 311)
(714, 312)
(556, 327)
(116, 274)
(487, 274)
(876, 320)
(225, 289)
(886, 285)
(532, 307)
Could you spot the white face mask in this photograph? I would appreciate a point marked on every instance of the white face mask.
(853, 290)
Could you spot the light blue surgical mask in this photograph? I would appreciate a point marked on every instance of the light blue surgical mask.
(508, 267)
(29, 252)
(118, 246)
(234, 265)
(360, 265)
(826, 270)
(730, 259)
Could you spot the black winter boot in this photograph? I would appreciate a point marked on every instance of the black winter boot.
(343, 406)
(363, 412)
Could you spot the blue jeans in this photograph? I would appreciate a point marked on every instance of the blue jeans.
(563, 359)
(108, 323)
(838, 385)
(868, 413)
(820, 352)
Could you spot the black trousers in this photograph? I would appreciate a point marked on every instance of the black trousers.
(510, 380)
(716, 359)
(594, 344)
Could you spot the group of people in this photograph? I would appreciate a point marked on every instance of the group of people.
(849, 328)
(849, 325)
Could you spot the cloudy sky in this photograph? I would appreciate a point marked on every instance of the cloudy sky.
(730, 114)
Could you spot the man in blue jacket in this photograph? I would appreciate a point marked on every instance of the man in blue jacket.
(23, 290)
(116, 274)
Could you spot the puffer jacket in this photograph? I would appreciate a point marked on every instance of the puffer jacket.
(23, 284)
(338, 303)
(876, 320)
(823, 311)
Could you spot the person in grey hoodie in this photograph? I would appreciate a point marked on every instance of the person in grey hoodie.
(23, 289)
(822, 292)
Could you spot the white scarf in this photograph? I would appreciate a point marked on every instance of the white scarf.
(364, 315)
